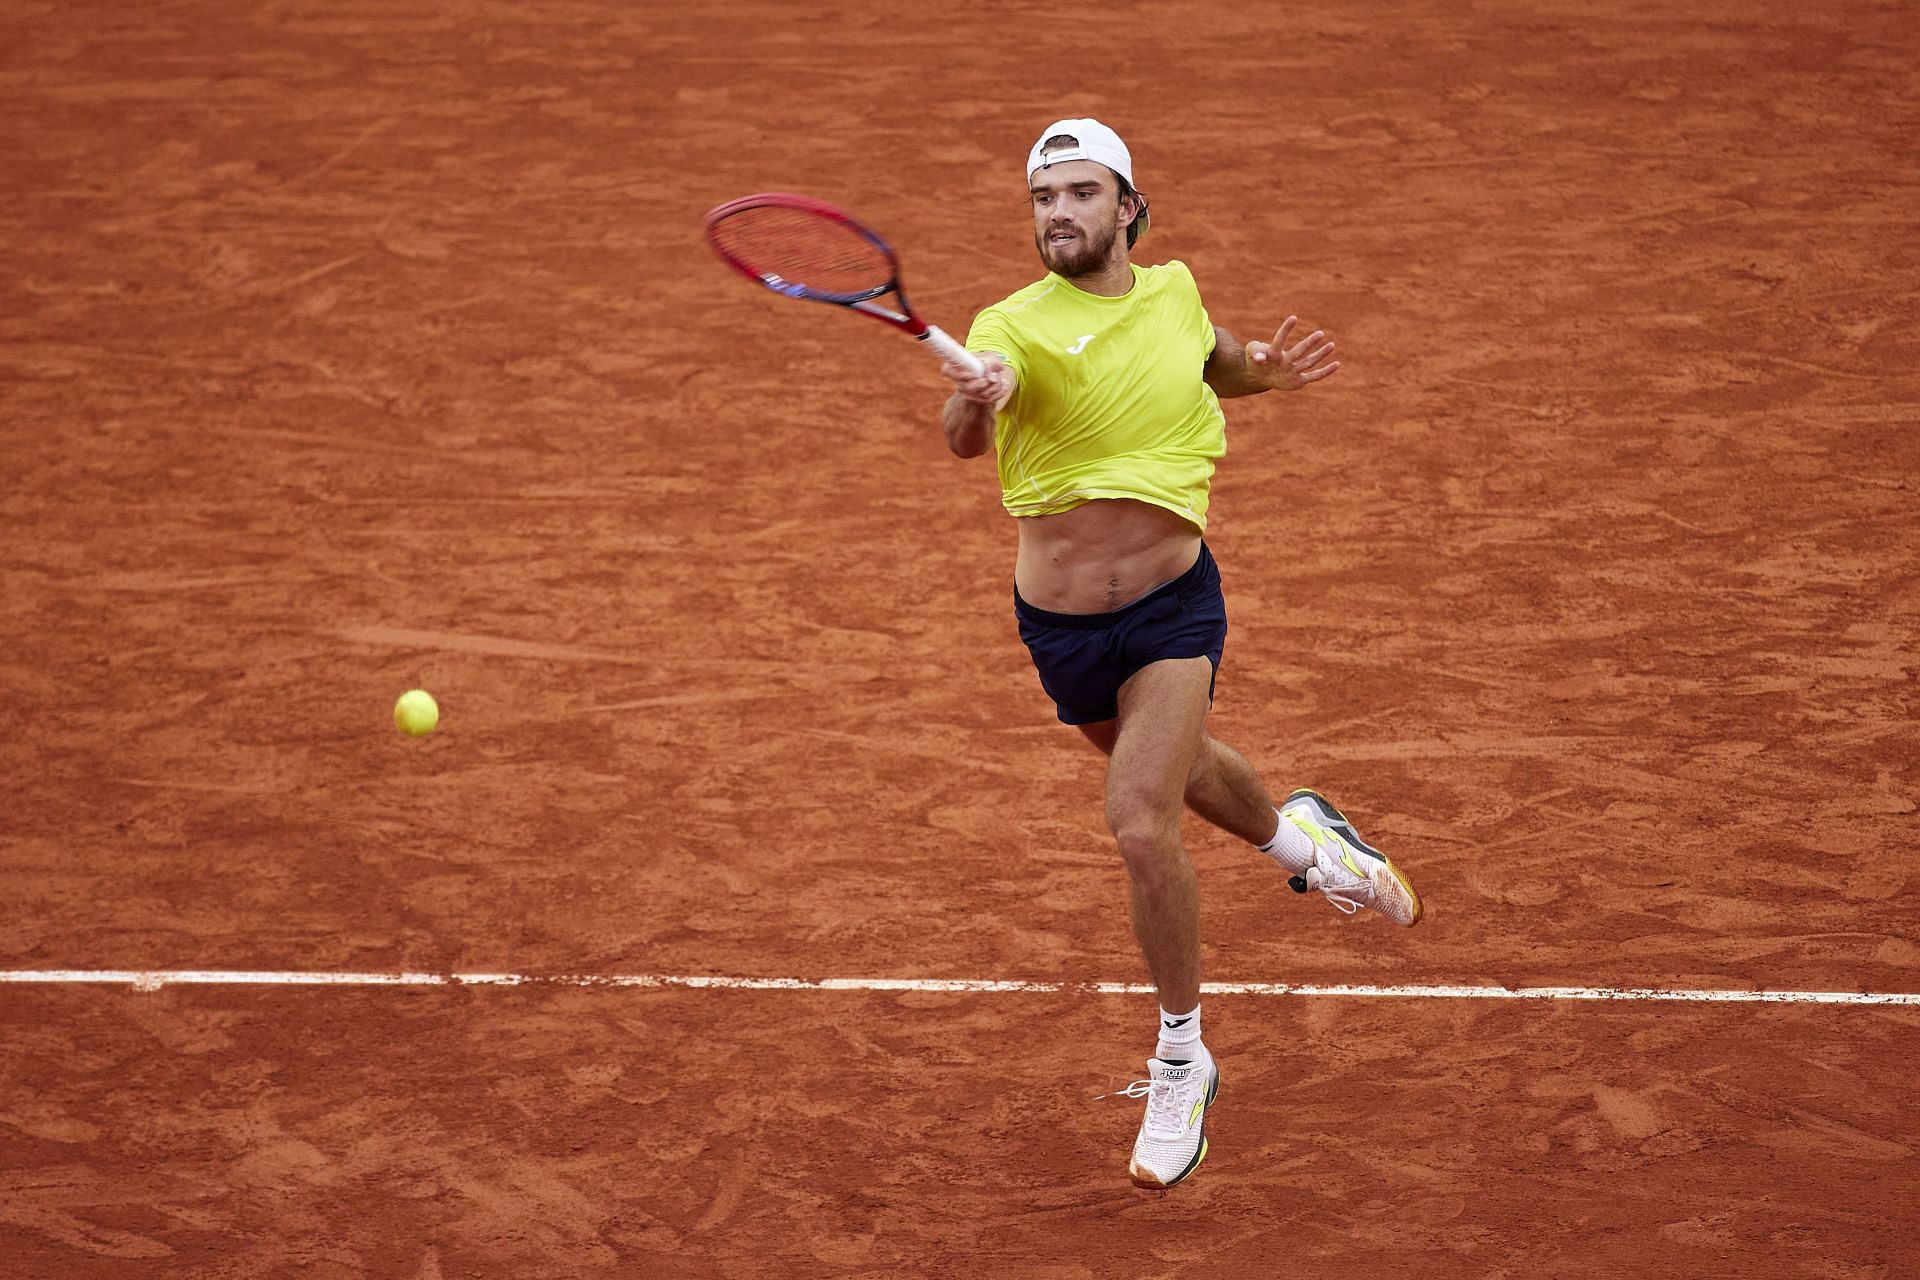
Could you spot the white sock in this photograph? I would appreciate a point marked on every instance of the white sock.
(1289, 847)
(1179, 1036)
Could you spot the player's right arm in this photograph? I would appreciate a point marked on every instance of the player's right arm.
(968, 416)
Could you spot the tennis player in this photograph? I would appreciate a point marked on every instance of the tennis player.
(1101, 397)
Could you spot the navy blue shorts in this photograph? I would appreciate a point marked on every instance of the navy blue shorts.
(1084, 658)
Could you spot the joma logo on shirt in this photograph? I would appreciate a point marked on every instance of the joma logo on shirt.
(1081, 345)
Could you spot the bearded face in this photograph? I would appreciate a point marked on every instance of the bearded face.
(1073, 248)
(1076, 216)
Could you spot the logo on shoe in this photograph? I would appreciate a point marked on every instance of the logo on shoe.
(1346, 859)
(1323, 837)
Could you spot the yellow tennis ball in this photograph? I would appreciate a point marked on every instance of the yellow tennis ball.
(416, 713)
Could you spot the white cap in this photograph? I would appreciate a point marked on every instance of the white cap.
(1092, 141)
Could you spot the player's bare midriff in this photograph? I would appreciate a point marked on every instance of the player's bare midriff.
(1101, 555)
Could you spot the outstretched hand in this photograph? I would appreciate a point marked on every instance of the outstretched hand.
(1288, 368)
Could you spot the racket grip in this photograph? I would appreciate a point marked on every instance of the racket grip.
(937, 338)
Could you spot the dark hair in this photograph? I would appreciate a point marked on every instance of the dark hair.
(1140, 209)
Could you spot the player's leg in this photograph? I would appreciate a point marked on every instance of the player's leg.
(1224, 789)
(1307, 836)
(1163, 711)
(1310, 839)
(1221, 787)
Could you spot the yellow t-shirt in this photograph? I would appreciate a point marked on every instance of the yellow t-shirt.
(1109, 400)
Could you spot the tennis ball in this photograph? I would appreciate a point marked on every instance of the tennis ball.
(416, 713)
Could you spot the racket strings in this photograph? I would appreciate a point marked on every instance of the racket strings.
(801, 248)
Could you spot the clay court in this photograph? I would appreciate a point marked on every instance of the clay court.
(352, 347)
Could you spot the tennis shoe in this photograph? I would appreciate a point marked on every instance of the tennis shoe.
(1352, 873)
(1173, 1136)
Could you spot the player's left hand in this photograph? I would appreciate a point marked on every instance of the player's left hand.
(1288, 368)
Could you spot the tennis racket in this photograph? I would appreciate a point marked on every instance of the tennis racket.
(805, 248)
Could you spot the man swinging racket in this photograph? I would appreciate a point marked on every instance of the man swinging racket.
(1100, 393)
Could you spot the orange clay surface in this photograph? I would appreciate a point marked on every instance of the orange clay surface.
(347, 348)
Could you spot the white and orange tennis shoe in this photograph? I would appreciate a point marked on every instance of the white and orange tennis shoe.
(1352, 873)
(1173, 1136)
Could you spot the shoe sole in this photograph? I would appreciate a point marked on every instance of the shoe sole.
(1145, 1177)
(1338, 821)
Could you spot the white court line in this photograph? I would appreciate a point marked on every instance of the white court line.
(154, 979)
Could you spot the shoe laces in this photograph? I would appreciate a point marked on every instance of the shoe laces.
(1166, 1107)
(1138, 1089)
(1331, 877)
(1347, 899)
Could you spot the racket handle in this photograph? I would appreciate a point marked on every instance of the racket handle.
(937, 338)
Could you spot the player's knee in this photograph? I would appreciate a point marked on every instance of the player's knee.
(1149, 840)
(1155, 864)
